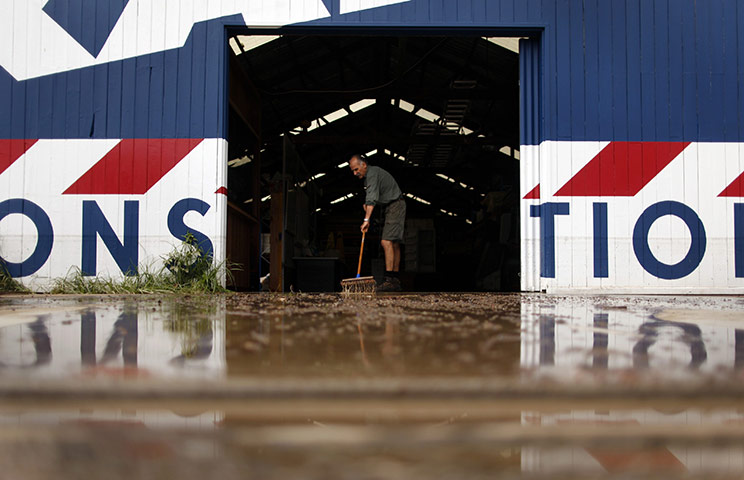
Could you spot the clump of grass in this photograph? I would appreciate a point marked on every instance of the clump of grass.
(7, 283)
(188, 269)
(142, 282)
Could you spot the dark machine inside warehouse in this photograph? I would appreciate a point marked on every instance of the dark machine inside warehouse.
(440, 113)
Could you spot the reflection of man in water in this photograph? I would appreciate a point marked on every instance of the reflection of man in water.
(382, 189)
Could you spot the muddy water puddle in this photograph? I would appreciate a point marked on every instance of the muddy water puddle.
(332, 336)
(395, 386)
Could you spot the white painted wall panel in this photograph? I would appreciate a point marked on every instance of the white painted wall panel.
(695, 178)
(42, 47)
(51, 166)
(348, 6)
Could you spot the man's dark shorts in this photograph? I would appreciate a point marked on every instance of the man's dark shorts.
(395, 220)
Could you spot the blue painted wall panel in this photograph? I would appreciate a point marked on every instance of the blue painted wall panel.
(129, 95)
(676, 90)
(436, 12)
(716, 42)
(450, 10)
(100, 95)
(214, 83)
(563, 73)
(740, 65)
(578, 67)
(635, 19)
(156, 111)
(144, 100)
(703, 69)
(113, 101)
(661, 69)
(478, 9)
(6, 102)
(57, 114)
(547, 17)
(648, 73)
(507, 11)
(16, 103)
(87, 104)
(689, 77)
(530, 63)
(32, 104)
(465, 11)
(197, 87)
(605, 72)
(183, 94)
(612, 70)
(72, 103)
(170, 97)
(521, 11)
(730, 66)
(592, 86)
(383, 15)
(618, 59)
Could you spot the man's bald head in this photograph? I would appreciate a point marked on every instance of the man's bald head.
(358, 166)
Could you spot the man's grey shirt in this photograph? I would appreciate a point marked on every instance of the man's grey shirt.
(381, 187)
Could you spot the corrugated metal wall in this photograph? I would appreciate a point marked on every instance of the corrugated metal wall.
(611, 71)
(650, 70)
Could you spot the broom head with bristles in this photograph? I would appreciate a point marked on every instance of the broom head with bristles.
(359, 285)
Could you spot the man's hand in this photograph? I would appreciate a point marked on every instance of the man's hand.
(367, 217)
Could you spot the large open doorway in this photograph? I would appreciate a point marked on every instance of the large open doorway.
(440, 113)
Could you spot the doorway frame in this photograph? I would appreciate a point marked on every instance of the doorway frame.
(531, 111)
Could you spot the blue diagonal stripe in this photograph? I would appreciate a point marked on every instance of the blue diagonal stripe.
(329, 5)
(90, 22)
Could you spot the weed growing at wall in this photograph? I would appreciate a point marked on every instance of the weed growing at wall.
(187, 269)
(8, 284)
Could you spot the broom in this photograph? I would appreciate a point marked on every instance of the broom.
(359, 284)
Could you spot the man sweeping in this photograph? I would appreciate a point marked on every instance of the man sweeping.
(382, 190)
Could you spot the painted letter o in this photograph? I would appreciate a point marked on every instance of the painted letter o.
(45, 236)
(643, 252)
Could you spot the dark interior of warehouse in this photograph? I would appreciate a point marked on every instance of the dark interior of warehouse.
(440, 113)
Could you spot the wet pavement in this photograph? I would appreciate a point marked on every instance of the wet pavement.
(388, 386)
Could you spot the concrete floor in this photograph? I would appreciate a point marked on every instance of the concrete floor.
(396, 386)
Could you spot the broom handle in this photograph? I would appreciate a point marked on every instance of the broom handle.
(361, 250)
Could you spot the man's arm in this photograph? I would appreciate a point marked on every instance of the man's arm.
(367, 217)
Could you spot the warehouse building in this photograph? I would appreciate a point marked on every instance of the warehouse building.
(541, 145)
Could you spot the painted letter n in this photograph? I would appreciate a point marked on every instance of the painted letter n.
(125, 254)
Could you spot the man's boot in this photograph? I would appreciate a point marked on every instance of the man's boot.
(388, 285)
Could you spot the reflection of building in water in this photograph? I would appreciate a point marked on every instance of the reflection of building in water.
(563, 341)
(669, 459)
(124, 339)
(161, 342)
(580, 336)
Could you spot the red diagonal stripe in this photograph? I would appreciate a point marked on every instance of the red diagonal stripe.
(534, 194)
(12, 150)
(622, 169)
(736, 189)
(133, 166)
(627, 460)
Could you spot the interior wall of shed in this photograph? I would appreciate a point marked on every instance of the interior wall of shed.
(440, 113)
